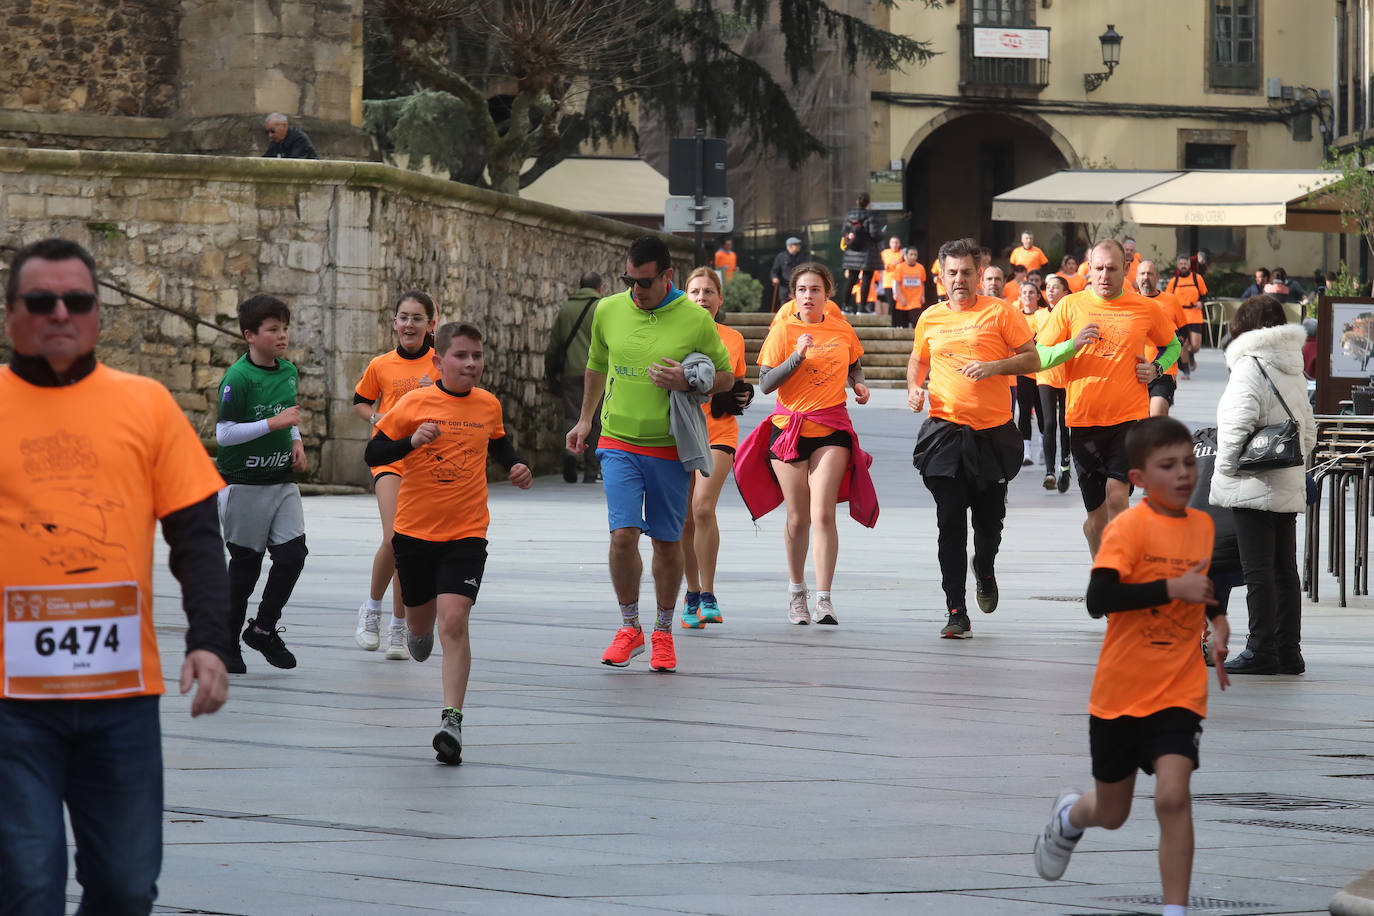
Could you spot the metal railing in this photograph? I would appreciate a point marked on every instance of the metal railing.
(998, 72)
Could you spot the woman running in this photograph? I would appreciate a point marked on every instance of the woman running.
(1050, 384)
(388, 377)
(1028, 406)
(700, 533)
(809, 442)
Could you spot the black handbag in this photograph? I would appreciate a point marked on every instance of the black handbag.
(1278, 445)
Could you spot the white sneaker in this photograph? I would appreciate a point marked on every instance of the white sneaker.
(825, 612)
(1052, 848)
(797, 611)
(368, 633)
(396, 649)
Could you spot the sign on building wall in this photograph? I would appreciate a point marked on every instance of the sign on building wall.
(1033, 43)
(885, 189)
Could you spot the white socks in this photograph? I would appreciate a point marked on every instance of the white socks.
(1174, 909)
(397, 621)
(797, 588)
(1070, 830)
(372, 604)
(822, 593)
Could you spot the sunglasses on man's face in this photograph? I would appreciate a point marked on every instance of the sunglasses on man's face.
(42, 302)
(641, 282)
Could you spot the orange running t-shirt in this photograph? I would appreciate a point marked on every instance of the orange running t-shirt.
(444, 484)
(1189, 290)
(1103, 388)
(1055, 377)
(1150, 659)
(1075, 282)
(1174, 309)
(727, 261)
(1011, 294)
(1030, 258)
(789, 310)
(725, 430)
(939, 280)
(890, 260)
(86, 470)
(908, 284)
(946, 340)
(391, 375)
(820, 380)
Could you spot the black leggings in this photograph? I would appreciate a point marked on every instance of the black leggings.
(865, 280)
(1052, 404)
(955, 497)
(1273, 590)
(1028, 402)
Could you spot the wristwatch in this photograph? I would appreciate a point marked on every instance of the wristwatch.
(1159, 370)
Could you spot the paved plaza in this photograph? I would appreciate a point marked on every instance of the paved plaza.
(867, 769)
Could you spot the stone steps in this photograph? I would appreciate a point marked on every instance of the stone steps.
(886, 349)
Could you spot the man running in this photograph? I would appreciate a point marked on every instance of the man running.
(1108, 379)
(643, 335)
(1163, 388)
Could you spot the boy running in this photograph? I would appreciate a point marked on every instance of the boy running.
(260, 509)
(1150, 693)
(443, 434)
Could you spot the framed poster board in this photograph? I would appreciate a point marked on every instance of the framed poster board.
(1345, 348)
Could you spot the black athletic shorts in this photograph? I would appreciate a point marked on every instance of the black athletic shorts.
(1192, 328)
(1164, 387)
(727, 449)
(807, 445)
(430, 568)
(1099, 454)
(1121, 745)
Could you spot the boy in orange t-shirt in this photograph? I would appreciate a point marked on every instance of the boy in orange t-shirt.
(443, 434)
(1150, 693)
(968, 449)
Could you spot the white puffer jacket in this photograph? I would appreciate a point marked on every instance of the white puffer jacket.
(1247, 404)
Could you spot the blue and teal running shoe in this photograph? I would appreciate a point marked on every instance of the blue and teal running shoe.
(710, 611)
(690, 620)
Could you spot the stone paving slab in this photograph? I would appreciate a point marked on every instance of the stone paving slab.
(866, 769)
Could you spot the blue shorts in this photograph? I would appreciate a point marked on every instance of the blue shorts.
(645, 493)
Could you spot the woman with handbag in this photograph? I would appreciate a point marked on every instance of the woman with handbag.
(1264, 428)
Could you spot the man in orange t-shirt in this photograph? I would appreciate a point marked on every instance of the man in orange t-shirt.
(892, 256)
(1108, 379)
(1188, 285)
(1163, 388)
(909, 290)
(1028, 255)
(442, 435)
(92, 460)
(726, 260)
(968, 347)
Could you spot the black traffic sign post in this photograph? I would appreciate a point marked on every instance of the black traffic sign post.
(696, 167)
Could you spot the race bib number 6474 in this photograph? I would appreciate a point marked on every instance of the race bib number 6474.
(72, 641)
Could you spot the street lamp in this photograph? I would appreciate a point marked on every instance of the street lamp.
(1111, 56)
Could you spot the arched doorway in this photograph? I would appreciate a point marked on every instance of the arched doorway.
(962, 159)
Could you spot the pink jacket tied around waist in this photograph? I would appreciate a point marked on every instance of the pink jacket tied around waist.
(759, 488)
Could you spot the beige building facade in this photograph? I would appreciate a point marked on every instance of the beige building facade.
(1230, 84)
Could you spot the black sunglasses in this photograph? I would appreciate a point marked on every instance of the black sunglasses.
(43, 302)
(641, 282)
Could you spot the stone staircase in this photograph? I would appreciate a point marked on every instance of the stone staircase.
(886, 349)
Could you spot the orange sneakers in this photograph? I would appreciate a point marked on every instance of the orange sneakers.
(662, 658)
(628, 643)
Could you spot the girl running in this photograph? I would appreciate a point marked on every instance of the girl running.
(1050, 385)
(1028, 406)
(388, 377)
(700, 533)
(809, 442)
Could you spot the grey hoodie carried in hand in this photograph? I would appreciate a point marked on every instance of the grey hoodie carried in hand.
(685, 417)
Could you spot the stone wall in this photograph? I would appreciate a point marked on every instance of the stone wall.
(114, 57)
(338, 241)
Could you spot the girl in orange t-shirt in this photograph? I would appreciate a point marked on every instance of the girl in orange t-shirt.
(386, 378)
(809, 359)
(700, 532)
(1050, 384)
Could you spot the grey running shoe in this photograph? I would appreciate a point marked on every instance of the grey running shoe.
(825, 612)
(957, 626)
(1052, 847)
(797, 611)
(448, 740)
(419, 646)
(986, 593)
(368, 634)
(396, 643)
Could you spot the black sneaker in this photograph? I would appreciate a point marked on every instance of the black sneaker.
(448, 740)
(569, 468)
(233, 662)
(986, 593)
(1064, 478)
(957, 626)
(269, 643)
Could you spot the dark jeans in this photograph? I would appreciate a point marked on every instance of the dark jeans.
(571, 389)
(103, 759)
(1273, 591)
(1027, 403)
(1052, 404)
(955, 498)
(865, 279)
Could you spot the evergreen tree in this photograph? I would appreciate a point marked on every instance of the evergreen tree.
(482, 86)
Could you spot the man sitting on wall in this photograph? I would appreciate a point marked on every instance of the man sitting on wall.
(285, 141)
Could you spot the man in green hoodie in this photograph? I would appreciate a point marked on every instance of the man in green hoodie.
(565, 367)
(639, 339)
